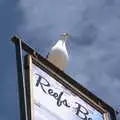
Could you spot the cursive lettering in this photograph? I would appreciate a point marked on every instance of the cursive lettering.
(57, 96)
(81, 111)
(44, 83)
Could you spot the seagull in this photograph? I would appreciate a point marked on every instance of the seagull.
(58, 55)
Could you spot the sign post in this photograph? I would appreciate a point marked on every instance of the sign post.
(21, 79)
(50, 94)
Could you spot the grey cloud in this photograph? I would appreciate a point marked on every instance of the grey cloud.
(86, 37)
(115, 70)
(61, 15)
(37, 36)
(109, 2)
(98, 86)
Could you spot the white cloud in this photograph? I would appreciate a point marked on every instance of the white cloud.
(60, 15)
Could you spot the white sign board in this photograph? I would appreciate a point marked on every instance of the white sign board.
(52, 101)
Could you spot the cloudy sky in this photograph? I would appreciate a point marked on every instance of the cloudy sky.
(94, 47)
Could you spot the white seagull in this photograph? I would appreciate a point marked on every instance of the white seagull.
(58, 55)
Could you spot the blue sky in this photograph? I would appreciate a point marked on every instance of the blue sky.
(93, 48)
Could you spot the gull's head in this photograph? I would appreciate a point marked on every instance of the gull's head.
(64, 36)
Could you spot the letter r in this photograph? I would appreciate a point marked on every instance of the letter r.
(42, 84)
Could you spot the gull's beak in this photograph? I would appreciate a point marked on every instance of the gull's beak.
(65, 36)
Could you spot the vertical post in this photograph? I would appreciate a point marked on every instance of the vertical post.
(21, 79)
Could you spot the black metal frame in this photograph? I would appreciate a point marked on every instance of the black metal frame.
(37, 58)
(21, 79)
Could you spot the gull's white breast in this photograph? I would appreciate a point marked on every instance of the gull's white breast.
(59, 55)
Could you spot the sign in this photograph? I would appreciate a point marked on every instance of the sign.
(53, 101)
(52, 97)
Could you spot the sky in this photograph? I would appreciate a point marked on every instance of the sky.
(93, 48)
